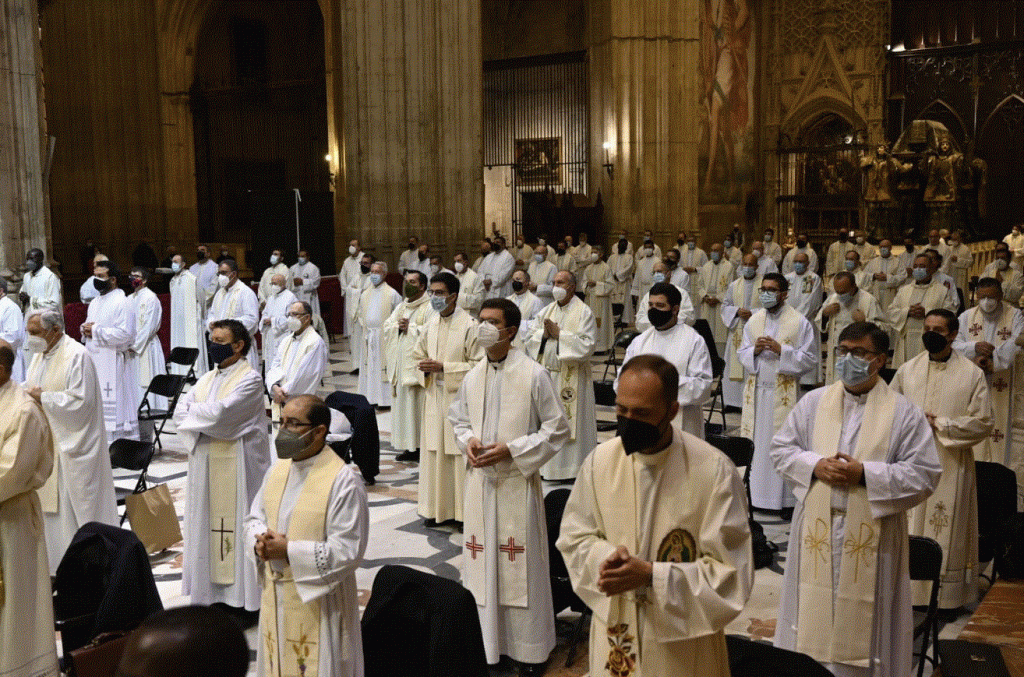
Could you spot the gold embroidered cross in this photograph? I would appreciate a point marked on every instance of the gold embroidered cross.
(817, 543)
(861, 548)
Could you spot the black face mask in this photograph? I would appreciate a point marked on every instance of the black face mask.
(561, 251)
(201, 255)
(658, 318)
(412, 246)
(102, 286)
(801, 243)
(933, 341)
(364, 269)
(680, 242)
(517, 286)
(220, 351)
(622, 246)
(637, 435)
(671, 263)
(842, 238)
(423, 256)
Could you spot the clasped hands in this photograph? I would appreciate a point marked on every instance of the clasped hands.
(430, 366)
(841, 471)
(622, 572)
(916, 311)
(551, 330)
(767, 342)
(482, 455)
(271, 545)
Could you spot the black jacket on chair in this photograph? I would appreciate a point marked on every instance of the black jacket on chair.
(421, 624)
(365, 442)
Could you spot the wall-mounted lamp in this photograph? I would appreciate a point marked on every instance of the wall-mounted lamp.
(608, 166)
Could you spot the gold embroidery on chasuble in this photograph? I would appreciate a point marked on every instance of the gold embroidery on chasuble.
(678, 546)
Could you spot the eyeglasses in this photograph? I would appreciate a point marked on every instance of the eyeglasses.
(859, 353)
(289, 424)
(296, 314)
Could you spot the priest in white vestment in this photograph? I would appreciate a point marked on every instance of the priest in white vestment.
(300, 361)
(686, 312)
(528, 303)
(561, 339)
(805, 295)
(26, 460)
(146, 351)
(109, 333)
(188, 305)
(958, 262)
(522, 253)
(353, 295)
(802, 247)
(772, 249)
(1015, 244)
(656, 540)
(912, 303)
(223, 425)
(471, 285)
(62, 378)
(673, 339)
(410, 257)
(777, 350)
(648, 243)
(844, 306)
(643, 276)
(859, 457)
(401, 331)
(1011, 279)
(885, 276)
(310, 525)
(375, 306)
(713, 282)
(205, 271)
(582, 254)
(952, 392)
(835, 255)
(446, 349)
(485, 252)
(350, 282)
(304, 280)
(497, 270)
(234, 300)
(277, 267)
(622, 264)
(508, 420)
(690, 260)
(853, 265)
(274, 318)
(40, 286)
(542, 275)
(765, 263)
(598, 285)
(12, 330)
(740, 301)
(989, 335)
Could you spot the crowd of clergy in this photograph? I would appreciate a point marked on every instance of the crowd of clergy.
(487, 369)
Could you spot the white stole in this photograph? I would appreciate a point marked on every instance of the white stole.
(567, 374)
(834, 625)
(294, 351)
(785, 385)
(51, 381)
(1000, 383)
(733, 346)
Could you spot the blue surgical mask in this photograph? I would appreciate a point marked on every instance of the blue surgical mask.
(853, 371)
(884, 251)
(302, 260)
(769, 299)
(538, 258)
(727, 243)
(800, 267)
(850, 264)
(658, 278)
(716, 256)
(438, 303)
(846, 298)
(691, 245)
(375, 278)
(749, 272)
(176, 267)
(920, 274)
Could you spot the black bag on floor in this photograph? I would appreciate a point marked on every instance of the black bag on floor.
(1010, 558)
(764, 550)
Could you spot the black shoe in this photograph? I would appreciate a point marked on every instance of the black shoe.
(429, 522)
(408, 457)
(354, 372)
(732, 410)
(458, 525)
(786, 514)
(531, 669)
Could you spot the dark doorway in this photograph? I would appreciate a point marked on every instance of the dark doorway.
(259, 107)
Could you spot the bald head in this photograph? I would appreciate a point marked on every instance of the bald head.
(750, 259)
(801, 258)
(199, 641)
(278, 280)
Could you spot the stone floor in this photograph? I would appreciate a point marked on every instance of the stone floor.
(398, 535)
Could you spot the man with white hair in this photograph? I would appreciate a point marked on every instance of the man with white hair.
(527, 302)
(277, 267)
(12, 330)
(62, 378)
(188, 305)
(375, 306)
(542, 274)
(273, 320)
(109, 332)
(305, 281)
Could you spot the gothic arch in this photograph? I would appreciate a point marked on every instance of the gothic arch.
(942, 110)
(1005, 103)
(813, 110)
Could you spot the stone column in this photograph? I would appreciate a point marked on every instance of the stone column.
(643, 73)
(409, 137)
(24, 221)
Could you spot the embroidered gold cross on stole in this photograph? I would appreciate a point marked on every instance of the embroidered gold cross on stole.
(861, 547)
(816, 543)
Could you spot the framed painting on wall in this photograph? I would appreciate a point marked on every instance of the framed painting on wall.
(538, 161)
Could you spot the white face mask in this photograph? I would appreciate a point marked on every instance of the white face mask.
(274, 259)
(558, 293)
(487, 335)
(223, 280)
(593, 258)
(176, 267)
(988, 305)
(302, 260)
(539, 258)
(276, 289)
(294, 324)
(35, 344)
(541, 242)
(352, 250)
(459, 266)
(519, 243)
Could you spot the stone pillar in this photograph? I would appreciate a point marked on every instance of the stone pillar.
(409, 133)
(24, 222)
(643, 74)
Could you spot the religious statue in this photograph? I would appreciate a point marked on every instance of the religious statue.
(879, 170)
(942, 168)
